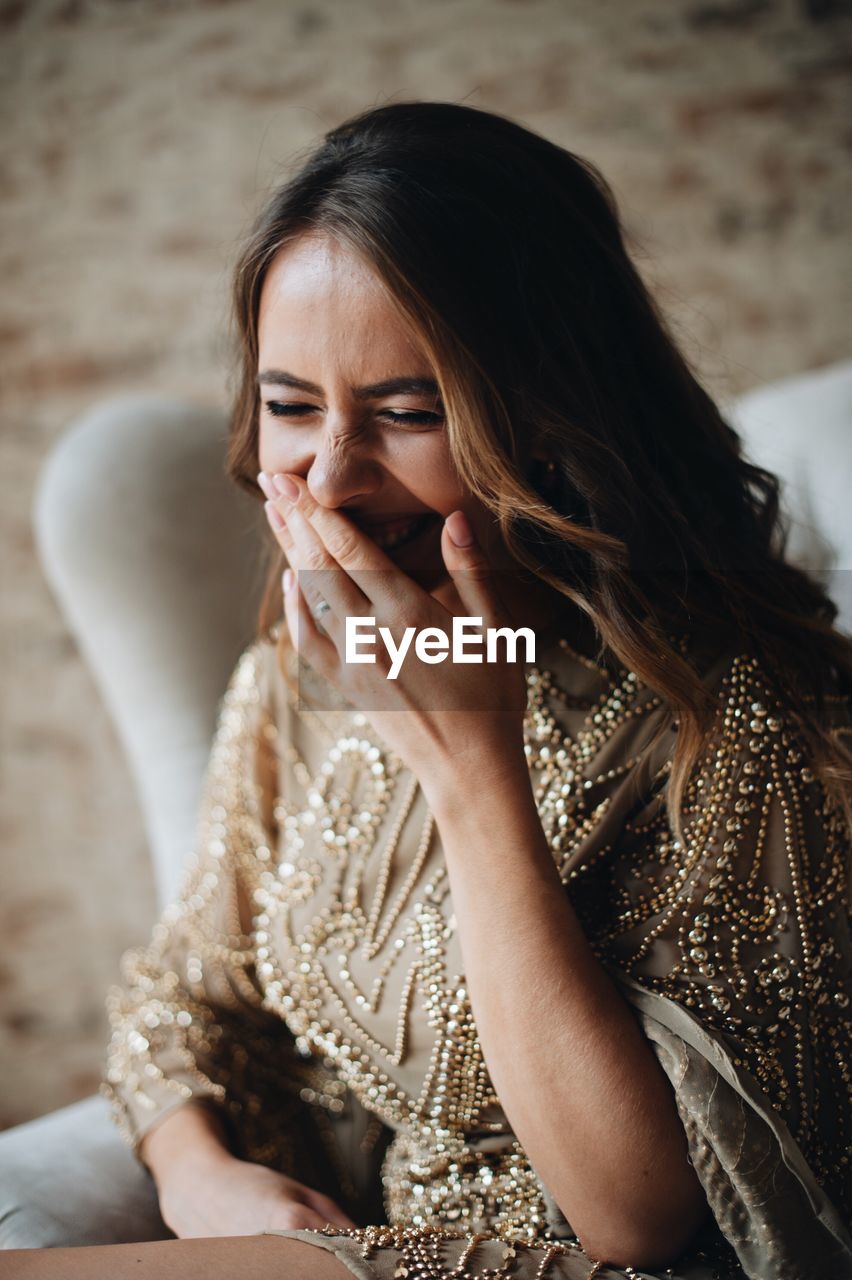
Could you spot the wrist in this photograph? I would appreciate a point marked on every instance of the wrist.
(193, 1184)
(464, 791)
(185, 1147)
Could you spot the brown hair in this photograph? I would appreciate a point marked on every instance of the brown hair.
(506, 254)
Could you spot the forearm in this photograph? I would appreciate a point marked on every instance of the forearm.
(251, 1257)
(190, 1139)
(577, 1078)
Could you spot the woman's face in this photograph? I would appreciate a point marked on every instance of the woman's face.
(348, 402)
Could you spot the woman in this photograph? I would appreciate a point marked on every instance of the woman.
(542, 977)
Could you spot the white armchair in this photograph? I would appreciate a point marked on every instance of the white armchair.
(153, 558)
(801, 428)
(152, 555)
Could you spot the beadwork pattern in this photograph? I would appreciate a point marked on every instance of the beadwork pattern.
(306, 919)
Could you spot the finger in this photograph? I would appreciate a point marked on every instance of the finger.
(324, 1204)
(278, 525)
(308, 641)
(471, 572)
(352, 550)
(321, 579)
(298, 555)
(295, 1216)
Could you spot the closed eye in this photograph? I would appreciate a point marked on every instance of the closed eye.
(414, 417)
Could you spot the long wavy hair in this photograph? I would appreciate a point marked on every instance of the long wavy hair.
(506, 254)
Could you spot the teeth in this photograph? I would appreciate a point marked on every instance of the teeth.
(398, 535)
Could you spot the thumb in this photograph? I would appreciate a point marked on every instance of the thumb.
(470, 570)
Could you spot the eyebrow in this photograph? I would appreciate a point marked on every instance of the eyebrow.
(390, 386)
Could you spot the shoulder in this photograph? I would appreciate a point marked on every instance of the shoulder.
(247, 703)
(258, 670)
(757, 717)
(753, 805)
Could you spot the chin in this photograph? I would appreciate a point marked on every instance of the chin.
(423, 566)
(421, 558)
(429, 576)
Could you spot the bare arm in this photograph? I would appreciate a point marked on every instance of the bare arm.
(249, 1257)
(579, 1082)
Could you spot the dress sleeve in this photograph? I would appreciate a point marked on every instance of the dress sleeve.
(187, 1020)
(733, 949)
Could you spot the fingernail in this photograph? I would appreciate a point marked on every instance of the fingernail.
(459, 529)
(288, 580)
(265, 483)
(273, 514)
(286, 487)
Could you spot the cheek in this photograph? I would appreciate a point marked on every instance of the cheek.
(272, 448)
(424, 468)
(263, 442)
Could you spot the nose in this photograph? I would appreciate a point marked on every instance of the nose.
(340, 472)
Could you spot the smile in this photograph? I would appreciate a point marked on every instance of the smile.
(401, 533)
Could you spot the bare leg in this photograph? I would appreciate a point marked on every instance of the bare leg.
(249, 1257)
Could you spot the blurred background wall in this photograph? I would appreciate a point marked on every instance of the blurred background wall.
(137, 142)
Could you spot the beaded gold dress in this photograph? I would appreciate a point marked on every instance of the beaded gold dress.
(307, 982)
